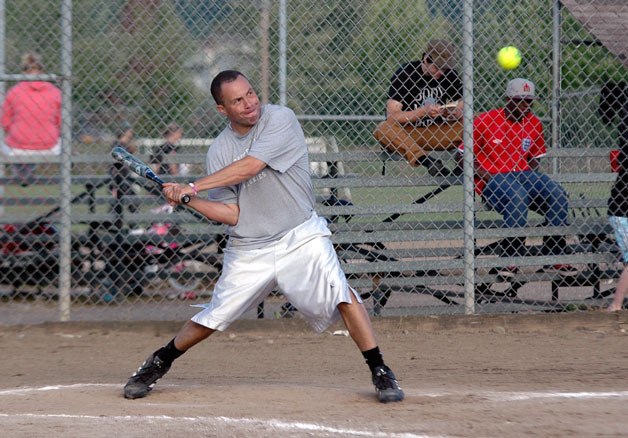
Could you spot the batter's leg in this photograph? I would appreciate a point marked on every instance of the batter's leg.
(191, 334)
(358, 323)
(157, 364)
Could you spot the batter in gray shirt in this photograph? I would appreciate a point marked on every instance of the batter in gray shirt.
(278, 198)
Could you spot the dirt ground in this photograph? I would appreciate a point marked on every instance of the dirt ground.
(464, 376)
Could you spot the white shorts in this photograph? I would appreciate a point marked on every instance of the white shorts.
(302, 265)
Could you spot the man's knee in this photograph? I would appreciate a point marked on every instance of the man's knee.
(390, 134)
(512, 207)
(445, 135)
(396, 138)
(380, 131)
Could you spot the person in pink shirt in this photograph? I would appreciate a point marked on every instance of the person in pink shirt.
(31, 117)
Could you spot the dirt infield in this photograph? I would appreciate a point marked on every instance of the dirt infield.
(499, 375)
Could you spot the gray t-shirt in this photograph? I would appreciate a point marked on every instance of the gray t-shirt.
(280, 197)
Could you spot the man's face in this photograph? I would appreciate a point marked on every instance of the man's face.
(175, 136)
(240, 104)
(516, 109)
(126, 137)
(432, 69)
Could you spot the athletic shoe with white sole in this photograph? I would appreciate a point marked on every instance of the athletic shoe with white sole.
(386, 385)
(143, 380)
(506, 271)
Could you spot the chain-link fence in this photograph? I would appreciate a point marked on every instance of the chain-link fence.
(83, 239)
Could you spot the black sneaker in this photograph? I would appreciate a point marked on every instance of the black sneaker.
(458, 171)
(386, 385)
(143, 380)
(437, 168)
(505, 272)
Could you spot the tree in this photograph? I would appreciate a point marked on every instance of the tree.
(132, 64)
(128, 58)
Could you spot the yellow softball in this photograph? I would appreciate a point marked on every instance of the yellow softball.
(509, 57)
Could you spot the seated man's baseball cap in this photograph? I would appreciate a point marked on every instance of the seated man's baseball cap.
(521, 89)
(441, 53)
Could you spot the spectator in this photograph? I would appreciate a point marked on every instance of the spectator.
(31, 118)
(417, 120)
(618, 204)
(507, 143)
(122, 179)
(172, 136)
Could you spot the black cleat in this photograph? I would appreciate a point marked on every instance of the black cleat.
(436, 168)
(505, 272)
(386, 385)
(143, 380)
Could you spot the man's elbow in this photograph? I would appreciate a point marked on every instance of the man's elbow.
(231, 222)
(233, 218)
(254, 166)
(232, 215)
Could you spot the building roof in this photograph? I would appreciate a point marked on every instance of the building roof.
(607, 20)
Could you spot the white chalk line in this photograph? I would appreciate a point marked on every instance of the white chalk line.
(270, 423)
(29, 389)
(584, 395)
(299, 426)
(490, 395)
(213, 421)
(524, 396)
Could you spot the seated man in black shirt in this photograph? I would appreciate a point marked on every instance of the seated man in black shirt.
(424, 108)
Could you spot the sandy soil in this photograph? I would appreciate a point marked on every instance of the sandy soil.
(479, 376)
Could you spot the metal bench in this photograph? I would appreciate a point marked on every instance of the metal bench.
(385, 245)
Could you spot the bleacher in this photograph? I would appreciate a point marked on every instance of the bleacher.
(398, 231)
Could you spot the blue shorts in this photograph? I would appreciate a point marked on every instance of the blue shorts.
(620, 227)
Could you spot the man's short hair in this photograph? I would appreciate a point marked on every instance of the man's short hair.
(441, 53)
(122, 128)
(223, 77)
(171, 129)
(32, 61)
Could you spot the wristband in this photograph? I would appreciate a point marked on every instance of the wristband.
(194, 189)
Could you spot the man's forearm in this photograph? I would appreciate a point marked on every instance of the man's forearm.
(216, 211)
(235, 173)
(408, 116)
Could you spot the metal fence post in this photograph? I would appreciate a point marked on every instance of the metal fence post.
(65, 238)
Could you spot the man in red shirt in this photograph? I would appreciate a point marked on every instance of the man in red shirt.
(507, 144)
